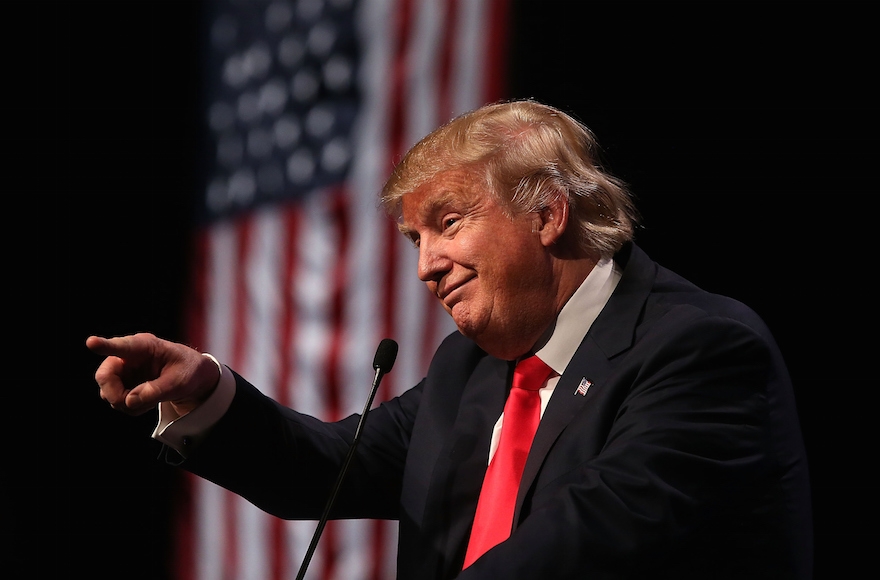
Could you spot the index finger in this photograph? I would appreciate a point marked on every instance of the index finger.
(119, 346)
(94, 343)
(102, 346)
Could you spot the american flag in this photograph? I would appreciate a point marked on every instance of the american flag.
(583, 387)
(297, 274)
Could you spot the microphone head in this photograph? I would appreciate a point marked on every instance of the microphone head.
(386, 353)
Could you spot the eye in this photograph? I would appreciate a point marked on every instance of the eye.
(450, 221)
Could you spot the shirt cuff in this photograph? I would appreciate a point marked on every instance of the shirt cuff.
(183, 433)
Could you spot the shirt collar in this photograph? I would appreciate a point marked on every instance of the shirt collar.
(564, 337)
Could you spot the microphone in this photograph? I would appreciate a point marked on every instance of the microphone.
(386, 353)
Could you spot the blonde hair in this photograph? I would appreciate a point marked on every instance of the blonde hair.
(527, 153)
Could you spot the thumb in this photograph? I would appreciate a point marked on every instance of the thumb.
(150, 393)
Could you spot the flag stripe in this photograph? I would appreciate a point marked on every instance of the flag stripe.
(279, 569)
(295, 293)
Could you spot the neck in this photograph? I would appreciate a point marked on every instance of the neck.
(571, 273)
(568, 276)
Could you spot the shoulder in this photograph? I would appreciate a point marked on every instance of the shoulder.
(669, 299)
(676, 303)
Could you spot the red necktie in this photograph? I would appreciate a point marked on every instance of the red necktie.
(522, 413)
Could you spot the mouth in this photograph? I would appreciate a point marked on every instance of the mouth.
(450, 294)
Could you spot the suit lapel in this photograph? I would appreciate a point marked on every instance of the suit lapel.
(451, 500)
(611, 333)
(588, 363)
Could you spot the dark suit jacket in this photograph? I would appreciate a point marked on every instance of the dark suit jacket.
(683, 460)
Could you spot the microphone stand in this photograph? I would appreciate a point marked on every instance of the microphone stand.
(387, 349)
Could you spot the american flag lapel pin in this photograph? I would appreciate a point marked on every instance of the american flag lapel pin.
(583, 387)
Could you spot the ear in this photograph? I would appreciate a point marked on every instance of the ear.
(552, 220)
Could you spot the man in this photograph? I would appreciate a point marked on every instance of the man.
(667, 442)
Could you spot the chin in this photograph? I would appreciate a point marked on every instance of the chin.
(472, 333)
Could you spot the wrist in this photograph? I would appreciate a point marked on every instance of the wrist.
(208, 375)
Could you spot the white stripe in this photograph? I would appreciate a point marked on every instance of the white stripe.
(220, 289)
(312, 281)
(423, 67)
(209, 529)
(422, 89)
(423, 117)
(369, 170)
(469, 64)
(389, 559)
(262, 276)
(354, 544)
(298, 534)
(363, 308)
(253, 540)
(262, 270)
(316, 253)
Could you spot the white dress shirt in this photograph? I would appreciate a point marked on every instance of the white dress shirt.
(561, 340)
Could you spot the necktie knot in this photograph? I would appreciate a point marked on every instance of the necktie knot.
(531, 373)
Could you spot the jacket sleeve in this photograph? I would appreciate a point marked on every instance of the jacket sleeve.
(286, 463)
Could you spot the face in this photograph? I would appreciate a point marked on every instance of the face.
(492, 272)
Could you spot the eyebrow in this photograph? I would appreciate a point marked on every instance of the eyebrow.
(427, 208)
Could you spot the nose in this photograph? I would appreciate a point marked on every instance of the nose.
(433, 261)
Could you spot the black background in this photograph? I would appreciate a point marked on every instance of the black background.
(745, 130)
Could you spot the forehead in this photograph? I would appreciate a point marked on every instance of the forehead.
(448, 190)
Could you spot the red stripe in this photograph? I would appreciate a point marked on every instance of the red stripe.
(495, 88)
(397, 133)
(243, 232)
(341, 225)
(194, 312)
(445, 112)
(292, 217)
(446, 105)
(339, 213)
(194, 325)
(379, 541)
(496, 51)
(184, 525)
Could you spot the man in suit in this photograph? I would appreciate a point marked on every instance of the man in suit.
(667, 443)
